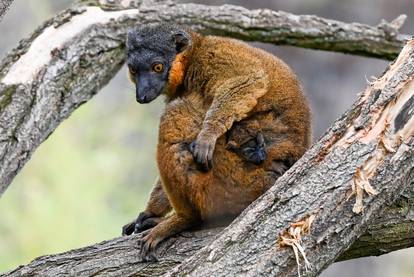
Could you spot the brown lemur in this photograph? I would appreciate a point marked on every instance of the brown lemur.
(235, 120)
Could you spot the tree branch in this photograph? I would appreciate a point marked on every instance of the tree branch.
(392, 230)
(44, 80)
(280, 28)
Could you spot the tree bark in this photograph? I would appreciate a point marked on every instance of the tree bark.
(278, 27)
(4, 6)
(392, 230)
(44, 80)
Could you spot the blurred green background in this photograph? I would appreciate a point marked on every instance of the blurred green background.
(94, 173)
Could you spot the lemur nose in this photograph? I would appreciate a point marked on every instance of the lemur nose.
(142, 99)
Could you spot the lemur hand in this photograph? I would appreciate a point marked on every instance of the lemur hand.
(202, 149)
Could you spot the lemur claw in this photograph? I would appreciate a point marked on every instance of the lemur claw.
(148, 245)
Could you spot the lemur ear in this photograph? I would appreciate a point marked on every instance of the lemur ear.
(182, 41)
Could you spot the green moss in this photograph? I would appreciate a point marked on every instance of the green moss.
(6, 96)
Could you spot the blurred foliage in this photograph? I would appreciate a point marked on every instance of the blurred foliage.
(94, 173)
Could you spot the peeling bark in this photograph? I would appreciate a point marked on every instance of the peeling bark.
(68, 59)
(392, 230)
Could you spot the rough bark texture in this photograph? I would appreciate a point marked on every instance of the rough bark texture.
(278, 27)
(62, 65)
(392, 230)
(68, 59)
(4, 6)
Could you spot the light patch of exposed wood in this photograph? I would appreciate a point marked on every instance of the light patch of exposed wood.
(292, 237)
(381, 130)
(39, 55)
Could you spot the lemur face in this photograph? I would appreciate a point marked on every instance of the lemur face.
(150, 55)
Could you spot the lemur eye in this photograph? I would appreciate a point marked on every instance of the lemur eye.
(132, 70)
(158, 67)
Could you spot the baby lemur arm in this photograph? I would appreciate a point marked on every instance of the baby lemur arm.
(157, 207)
(233, 100)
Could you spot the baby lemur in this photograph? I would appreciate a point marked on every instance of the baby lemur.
(235, 120)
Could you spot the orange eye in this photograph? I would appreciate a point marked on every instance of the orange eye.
(131, 70)
(158, 67)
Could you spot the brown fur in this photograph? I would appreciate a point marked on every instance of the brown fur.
(229, 93)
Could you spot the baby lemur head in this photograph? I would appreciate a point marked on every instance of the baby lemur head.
(154, 59)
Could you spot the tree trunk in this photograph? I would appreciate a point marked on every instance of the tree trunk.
(368, 150)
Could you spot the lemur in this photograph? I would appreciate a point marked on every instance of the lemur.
(235, 120)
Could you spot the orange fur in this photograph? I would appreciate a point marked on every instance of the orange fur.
(176, 74)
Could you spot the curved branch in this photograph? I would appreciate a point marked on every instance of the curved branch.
(282, 28)
(393, 230)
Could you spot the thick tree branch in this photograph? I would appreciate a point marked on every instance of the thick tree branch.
(67, 60)
(280, 28)
(283, 28)
(392, 230)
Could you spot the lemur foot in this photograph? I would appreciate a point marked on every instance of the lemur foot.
(148, 244)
